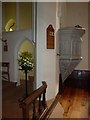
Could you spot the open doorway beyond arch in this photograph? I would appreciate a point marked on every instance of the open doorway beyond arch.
(24, 45)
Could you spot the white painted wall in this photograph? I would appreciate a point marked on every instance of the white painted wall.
(14, 41)
(46, 58)
(73, 13)
(62, 12)
(77, 14)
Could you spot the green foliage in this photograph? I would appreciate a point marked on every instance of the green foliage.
(25, 61)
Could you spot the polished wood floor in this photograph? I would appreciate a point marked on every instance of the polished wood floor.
(11, 94)
(76, 103)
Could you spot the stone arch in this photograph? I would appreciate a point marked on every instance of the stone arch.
(10, 25)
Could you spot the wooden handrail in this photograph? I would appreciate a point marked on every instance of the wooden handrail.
(24, 104)
(35, 94)
(46, 112)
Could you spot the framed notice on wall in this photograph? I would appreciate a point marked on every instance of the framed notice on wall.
(50, 37)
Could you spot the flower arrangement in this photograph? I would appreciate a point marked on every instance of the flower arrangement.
(25, 61)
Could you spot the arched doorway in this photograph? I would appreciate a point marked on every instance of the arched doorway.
(11, 25)
(23, 46)
(27, 45)
(29, 37)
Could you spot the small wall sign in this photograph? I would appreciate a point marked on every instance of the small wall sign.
(50, 37)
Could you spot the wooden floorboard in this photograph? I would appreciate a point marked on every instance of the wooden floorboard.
(11, 94)
(76, 103)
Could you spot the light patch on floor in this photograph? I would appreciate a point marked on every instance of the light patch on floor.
(58, 110)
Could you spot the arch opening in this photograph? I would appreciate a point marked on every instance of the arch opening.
(10, 25)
